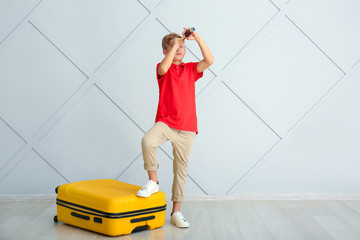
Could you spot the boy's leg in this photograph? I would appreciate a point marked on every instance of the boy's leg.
(153, 176)
(181, 150)
(176, 207)
(156, 136)
(182, 147)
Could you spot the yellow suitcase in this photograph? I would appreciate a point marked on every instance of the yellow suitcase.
(109, 207)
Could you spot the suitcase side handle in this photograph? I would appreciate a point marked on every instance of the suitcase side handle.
(74, 214)
(136, 220)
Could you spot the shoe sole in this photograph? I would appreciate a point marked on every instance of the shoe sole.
(146, 195)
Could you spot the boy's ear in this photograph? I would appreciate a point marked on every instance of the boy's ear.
(164, 52)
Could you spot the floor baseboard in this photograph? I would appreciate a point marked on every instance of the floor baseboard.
(281, 196)
(27, 197)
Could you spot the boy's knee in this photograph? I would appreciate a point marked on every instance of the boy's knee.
(147, 143)
(180, 175)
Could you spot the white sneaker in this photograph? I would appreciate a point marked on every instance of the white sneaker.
(149, 188)
(178, 220)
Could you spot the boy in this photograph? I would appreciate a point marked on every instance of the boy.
(176, 117)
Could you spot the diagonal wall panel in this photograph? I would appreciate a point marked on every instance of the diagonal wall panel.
(12, 13)
(91, 29)
(10, 143)
(229, 142)
(283, 77)
(94, 140)
(280, 3)
(32, 83)
(334, 26)
(31, 171)
(321, 155)
(150, 3)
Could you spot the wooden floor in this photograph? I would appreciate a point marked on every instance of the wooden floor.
(232, 219)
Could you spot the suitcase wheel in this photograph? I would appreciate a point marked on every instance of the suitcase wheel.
(56, 219)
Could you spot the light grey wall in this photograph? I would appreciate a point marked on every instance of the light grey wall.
(278, 112)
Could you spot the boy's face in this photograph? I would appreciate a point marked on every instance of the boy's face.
(179, 54)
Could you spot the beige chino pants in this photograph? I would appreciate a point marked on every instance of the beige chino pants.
(181, 141)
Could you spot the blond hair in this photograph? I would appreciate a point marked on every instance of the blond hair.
(166, 41)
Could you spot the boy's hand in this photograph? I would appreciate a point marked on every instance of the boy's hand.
(175, 43)
(194, 35)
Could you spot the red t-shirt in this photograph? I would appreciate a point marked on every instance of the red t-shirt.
(177, 107)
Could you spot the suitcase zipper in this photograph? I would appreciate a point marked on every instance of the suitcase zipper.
(99, 213)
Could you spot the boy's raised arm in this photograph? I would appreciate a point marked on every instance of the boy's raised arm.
(169, 56)
(208, 57)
